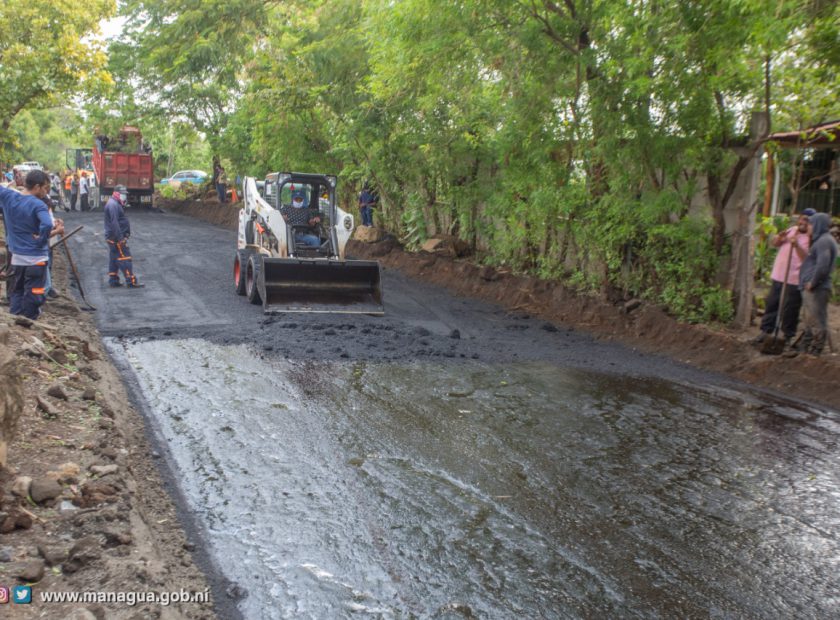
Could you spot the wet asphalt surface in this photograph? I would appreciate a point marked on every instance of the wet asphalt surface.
(452, 460)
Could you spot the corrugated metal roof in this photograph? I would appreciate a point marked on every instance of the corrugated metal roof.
(824, 133)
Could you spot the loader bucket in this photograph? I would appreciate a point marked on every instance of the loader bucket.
(319, 285)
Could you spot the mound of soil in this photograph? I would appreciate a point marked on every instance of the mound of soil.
(631, 322)
(210, 210)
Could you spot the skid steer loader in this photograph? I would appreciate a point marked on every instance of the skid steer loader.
(290, 249)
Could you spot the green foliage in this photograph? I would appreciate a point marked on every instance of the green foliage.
(44, 136)
(567, 139)
(47, 53)
(182, 192)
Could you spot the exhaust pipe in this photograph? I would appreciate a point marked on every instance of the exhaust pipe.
(320, 285)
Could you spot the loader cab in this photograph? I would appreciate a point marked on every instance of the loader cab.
(318, 194)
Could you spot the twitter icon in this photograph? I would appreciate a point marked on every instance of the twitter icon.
(22, 595)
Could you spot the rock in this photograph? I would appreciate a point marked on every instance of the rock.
(88, 352)
(44, 489)
(114, 538)
(549, 327)
(455, 334)
(24, 322)
(30, 571)
(631, 305)
(85, 551)
(50, 411)
(421, 331)
(5, 334)
(59, 356)
(81, 613)
(446, 245)
(104, 470)
(6, 554)
(384, 247)
(34, 348)
(368, 234)
(56, 390)
(67, 473)
(94, 493)
(489, 274)
(21, 485)
(92, 373)
(52, 555)
(431, 245)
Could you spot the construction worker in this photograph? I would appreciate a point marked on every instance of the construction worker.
(74, 191)
(28, 230)
(117, 232)
(84, 189)
(68, 181)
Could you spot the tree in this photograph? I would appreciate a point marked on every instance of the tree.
(48, 52)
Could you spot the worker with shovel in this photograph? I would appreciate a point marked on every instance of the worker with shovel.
(783, 302)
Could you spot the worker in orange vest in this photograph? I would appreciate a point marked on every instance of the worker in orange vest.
(68, 182)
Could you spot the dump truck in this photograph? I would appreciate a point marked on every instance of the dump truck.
(290, 254)
(124, 160)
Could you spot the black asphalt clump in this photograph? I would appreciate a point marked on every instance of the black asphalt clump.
(420, 320)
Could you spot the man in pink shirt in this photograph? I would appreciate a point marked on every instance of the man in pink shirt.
(795, 239)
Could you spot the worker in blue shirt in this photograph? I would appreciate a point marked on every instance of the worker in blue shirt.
(29, 227)
(117, 232)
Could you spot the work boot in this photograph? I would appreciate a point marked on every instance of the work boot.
(136, 285)
(51, 294)
(116, 284)
(762, 336)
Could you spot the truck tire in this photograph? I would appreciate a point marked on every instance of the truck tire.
(252, 274)
(240, 265)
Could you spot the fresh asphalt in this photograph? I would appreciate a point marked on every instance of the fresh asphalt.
(453, 460)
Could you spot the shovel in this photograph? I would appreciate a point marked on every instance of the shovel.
(776, 345)
(74, 270)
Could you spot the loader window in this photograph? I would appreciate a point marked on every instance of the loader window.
(290, 190)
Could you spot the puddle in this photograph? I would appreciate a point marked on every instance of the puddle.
(480, 490)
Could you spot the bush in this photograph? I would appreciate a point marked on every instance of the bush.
(170, 192)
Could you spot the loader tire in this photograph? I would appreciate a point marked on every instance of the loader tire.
(250, 233)
(240, 264)
(252, 274)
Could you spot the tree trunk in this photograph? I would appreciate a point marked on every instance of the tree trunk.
(742, 271)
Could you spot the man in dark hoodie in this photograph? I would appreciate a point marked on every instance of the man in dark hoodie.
(117, 232)
(815, 282)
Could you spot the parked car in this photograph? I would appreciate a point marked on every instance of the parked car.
(196, 177)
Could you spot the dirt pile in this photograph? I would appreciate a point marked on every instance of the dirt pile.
(11, 399)
(210, 210)
(81, 502)
(629, 321)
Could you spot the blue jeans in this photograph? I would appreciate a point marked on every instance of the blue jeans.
(309, 240)
(221, 190)
(28, 295)
(367, 216)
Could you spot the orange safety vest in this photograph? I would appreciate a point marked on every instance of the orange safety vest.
(68, 180)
